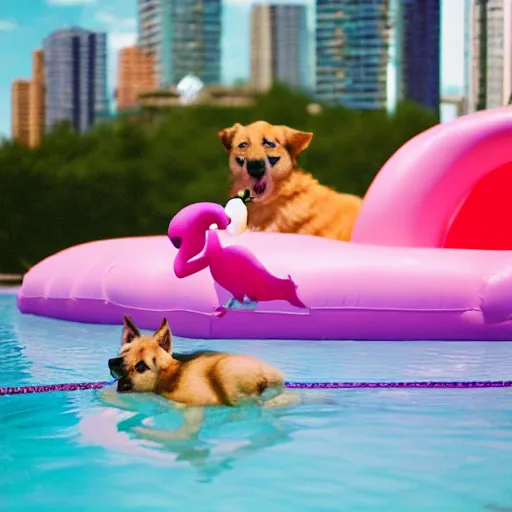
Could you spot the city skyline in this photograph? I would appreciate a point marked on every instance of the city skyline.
(26, 23)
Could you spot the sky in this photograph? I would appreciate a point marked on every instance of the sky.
(25, 23)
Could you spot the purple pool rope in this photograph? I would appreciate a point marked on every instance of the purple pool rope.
(428, 384)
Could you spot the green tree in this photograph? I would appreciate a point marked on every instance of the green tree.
(130, 176)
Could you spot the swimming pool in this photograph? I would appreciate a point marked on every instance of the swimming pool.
(361, 451)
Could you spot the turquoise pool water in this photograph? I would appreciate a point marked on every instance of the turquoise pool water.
(359, 451)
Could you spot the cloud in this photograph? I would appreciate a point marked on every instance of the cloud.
(66, 3)
(118, 40)
(115, 23)
(7, 25)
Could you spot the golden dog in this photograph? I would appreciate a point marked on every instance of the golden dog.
(263, 158)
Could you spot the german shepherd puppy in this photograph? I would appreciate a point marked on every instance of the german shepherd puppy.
(285, 199)
(147, 364)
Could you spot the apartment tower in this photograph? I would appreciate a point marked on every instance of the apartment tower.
(488, 53)
(421, 52)
(20, 110)
(136, 75)
(184, 36)
(352, 52)
(75, 62)
(149, 29)
(279, 46)
(37, 93)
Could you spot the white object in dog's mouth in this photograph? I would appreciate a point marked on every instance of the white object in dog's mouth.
(259, 188)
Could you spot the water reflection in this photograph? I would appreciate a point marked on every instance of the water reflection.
(139, 426)
(213, 456)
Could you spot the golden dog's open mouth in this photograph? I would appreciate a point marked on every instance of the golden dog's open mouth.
(259, 188)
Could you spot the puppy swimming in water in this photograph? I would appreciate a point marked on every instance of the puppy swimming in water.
(147, 364)
(191, 382)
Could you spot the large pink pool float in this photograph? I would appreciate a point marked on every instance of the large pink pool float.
(431, 259)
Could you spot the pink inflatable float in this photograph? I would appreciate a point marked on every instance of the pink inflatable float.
(431, 258)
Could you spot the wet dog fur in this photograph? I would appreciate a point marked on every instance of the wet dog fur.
(264, 158)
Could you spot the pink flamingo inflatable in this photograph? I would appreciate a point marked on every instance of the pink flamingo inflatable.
(235, 268)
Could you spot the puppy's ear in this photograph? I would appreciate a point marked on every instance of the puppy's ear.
(226, 136)
(296, 141)
(130, 331)
(164, 336)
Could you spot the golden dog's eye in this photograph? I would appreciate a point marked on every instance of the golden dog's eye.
(141, 367)
(243, 145)
(269, 143)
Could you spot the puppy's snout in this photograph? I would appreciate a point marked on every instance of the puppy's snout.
(124, 385)
(256, 168)
(116, 367)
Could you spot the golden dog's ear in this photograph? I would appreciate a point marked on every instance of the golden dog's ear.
(226, 136)
(163, 336)
(296, 141)
(130, 331)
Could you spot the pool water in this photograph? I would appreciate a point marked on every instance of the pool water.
(346, 450)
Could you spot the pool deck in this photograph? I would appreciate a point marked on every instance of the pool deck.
(10, 279)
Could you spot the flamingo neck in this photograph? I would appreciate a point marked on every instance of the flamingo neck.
(183, 266)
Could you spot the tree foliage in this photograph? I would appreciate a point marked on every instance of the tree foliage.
(130, 176)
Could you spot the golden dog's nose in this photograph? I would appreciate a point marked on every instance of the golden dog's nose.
(256, 168)
(116, 367)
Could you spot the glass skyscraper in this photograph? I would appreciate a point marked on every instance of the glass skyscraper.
(352, 46)
(75, 63)
(185, 36)
(421, 52)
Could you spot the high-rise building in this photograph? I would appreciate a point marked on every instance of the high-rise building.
(352, 52)
(185, 36)
(149, 28)
(75, 63)
(421, 52)
(136, 75)
(489, 53)
(37, 92)
(261, 48)
(191, 40)
(279, 46)
(20, 110)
